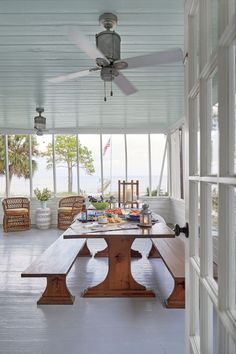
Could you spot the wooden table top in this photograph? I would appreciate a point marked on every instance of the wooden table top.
(79, 230)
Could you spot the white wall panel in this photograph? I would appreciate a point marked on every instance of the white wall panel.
(177, 212)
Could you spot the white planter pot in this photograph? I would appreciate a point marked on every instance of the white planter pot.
(43, 204)
(43, 218)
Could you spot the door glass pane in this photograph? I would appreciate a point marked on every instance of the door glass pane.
(194, 190)
(215, 227)
(43, 172)
(232, 345)
(90, 164)
(197, 117)
(207, 333)
(214, 126)
(235, 109)
(137, 148)
(196, 45)
(19, 172)
(2, 166)
(198, 138)
(195, 138)
(158, 143)
(197, 308)
(113, 151)
(194, 300)
(198, 231)
(66, 164)
(214, 24)
(234, 253)
(215, 332)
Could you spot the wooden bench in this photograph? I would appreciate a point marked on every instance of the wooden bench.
(172, 253)
(54, 264)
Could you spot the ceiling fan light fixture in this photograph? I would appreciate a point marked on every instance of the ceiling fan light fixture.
(108, 73)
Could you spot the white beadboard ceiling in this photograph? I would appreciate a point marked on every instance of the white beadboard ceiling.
(34, 47)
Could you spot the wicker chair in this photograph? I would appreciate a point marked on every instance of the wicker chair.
(16, 214)
(128, 193)
(68, 208)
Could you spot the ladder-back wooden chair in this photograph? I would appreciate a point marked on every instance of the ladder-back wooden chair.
(16, 214)
(68, 208)
(128, 194)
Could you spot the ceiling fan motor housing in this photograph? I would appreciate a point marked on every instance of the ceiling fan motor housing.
(108, 42)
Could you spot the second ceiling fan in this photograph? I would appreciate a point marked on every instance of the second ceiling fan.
(106, 53)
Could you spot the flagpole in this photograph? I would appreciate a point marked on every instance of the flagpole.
(110, 163)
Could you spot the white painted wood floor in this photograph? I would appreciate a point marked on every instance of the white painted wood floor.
(100, 325)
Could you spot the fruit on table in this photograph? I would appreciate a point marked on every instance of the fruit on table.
(114, 220)
(135, 212)
(116, 211)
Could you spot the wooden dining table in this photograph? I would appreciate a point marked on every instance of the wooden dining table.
(119, 281)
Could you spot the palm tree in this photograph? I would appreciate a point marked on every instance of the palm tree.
(18, 156)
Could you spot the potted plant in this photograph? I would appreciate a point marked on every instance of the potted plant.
(43, 195)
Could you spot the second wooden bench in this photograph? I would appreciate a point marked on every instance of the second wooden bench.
(54, 264)
(172, 253)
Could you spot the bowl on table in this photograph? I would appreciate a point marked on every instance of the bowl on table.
(100, 205)
(132, 217)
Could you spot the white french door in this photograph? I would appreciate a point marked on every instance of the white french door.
(210, 41)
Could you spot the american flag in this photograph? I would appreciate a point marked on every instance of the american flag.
(108, 144)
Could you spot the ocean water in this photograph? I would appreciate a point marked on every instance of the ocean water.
(90, 184)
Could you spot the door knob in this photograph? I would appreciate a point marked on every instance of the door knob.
(178, 230)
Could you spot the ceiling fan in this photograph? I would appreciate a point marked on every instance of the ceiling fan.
(106, 53)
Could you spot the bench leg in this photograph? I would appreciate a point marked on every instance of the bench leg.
(153, 253)
(56, 292)
(177, 297)
(84, 252)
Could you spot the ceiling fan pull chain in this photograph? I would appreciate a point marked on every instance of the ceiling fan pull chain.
(111, 94)
(105, 98)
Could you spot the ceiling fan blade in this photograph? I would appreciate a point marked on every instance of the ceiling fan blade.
(125, 85)
(153, 59)
(79, 39)
(71, 76)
